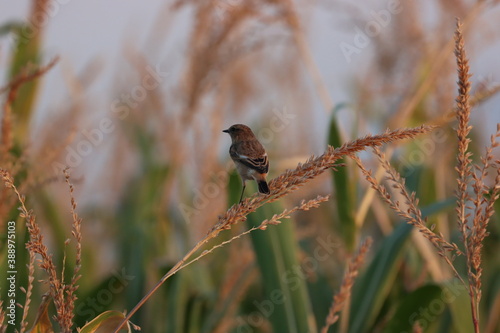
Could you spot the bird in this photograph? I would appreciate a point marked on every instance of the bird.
(249, 156)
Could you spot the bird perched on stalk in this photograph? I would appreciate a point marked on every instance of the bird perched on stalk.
(249, 156)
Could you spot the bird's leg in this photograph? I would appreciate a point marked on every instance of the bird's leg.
(243, 191)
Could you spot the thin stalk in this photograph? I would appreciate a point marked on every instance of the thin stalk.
(171, 272)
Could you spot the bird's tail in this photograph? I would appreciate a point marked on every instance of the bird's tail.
(263, 187)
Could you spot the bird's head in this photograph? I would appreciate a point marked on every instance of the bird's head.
(239, 132)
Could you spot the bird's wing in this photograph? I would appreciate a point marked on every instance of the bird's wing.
(255, 159)
(261, 164)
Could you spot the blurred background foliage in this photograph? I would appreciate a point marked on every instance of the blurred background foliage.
(152, 171)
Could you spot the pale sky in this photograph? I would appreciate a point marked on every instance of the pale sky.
(82, 31)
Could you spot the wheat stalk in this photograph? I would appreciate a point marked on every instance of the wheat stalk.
(412, 214)
(464, 164)
(28, 292)
(280, 186)
(71, 288)
(291, 180)
(340, 298)
(58, 290)
(472, 226)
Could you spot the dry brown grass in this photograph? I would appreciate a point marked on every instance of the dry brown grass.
(62, 294)
(341, 297)
(411, 214)
(28, 292)
(473, 212)
(211, 54)
(70, 289)
(280, 186)
(291, 180)
(474, 229)
(237, 279)
(274, 220)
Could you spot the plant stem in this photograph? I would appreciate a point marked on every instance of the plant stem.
(171, 272)
(473, 305)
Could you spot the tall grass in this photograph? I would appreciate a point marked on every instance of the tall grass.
(160, 242)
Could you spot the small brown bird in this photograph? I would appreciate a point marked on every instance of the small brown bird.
(249, 156)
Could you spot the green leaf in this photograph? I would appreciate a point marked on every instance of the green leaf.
(106, 322)
(196, 314)
(343, 192)
(10, 27)
(219, 312)
(460, 308)
(415, 307)
(286, 302)
(26, 52)
(373, 287)
(234, 187)
(138, 215)
(177, 303)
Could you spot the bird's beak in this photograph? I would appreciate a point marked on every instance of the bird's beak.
(226, 131)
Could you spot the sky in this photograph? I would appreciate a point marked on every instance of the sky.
(85, 31)
(82, 32)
